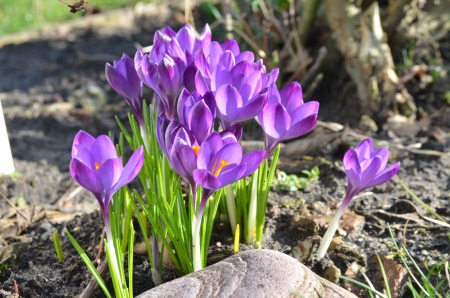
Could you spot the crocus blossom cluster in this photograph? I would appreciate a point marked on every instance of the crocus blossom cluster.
(365, 167)
(197, 80)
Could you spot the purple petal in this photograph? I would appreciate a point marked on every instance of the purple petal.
(183, 106)
(103, 149)
(291, 96)
(186, 38)
(228, 101)
(200, 84)
(206, 179)
(189, 77)
(202, 64)
(227, 60)
(245, 56)
(249, 85)
(83, 138)
(300, 128)
(274, 120)
(184, 161)
(370, 171)
(236, 130)
(303, 111)
(252, 109)
(84, 155)
(232, 174)
(231, 154)
(208, 149)
(385, 175)
(161, 128)
(210, 101)
(109, 172)
(200, 121)
(384, 154)
(252, 161)
(204, 40)
(220, 76)
(85, 176)
(274, 95)
(272, 77)
(364, 149)
(213, 53)
(232, 46)
(131, 169)
(352, 167)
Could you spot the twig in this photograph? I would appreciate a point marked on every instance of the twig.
(100, 250)
(404, 232)
(89, 291)
(14, 207)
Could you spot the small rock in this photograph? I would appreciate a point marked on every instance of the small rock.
(332, 274)
(274, 211)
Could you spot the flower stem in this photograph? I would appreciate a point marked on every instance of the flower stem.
(145, 137)
(196, 250)
(231, 206)
(252, 210)
(332, 227)
(114, 267)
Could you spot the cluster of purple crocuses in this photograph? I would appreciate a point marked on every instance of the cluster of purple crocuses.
(197, 80)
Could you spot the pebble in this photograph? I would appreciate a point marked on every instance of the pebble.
(424, 253)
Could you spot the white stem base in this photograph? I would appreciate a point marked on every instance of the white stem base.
(329, 234)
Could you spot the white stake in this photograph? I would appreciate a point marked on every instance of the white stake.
(6, 160)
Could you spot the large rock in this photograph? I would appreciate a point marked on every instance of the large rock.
(253, 273)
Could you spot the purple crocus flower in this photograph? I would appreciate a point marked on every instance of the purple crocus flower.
(186, 38)
(365, 167)
(163, 73)
(123, 78)
(96, 166)
(286, 116)
(197, 113)
(179, 146)
(220, 162)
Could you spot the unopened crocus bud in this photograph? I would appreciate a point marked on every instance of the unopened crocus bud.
(123, 78)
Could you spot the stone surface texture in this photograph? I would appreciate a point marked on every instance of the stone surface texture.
(253, 273)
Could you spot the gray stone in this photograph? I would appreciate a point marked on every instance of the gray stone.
(253, 273)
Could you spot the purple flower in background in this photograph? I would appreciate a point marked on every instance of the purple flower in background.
(96, 166)
(210, 63)
(233, 108)
(186, 39)
(220, 162)
(286, 116)
(197, 113)
(163, 73)
(123, 78)
(365, 167)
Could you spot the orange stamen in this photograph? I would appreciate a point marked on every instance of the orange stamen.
(196, 149)
(223, 163)
(98, 165)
